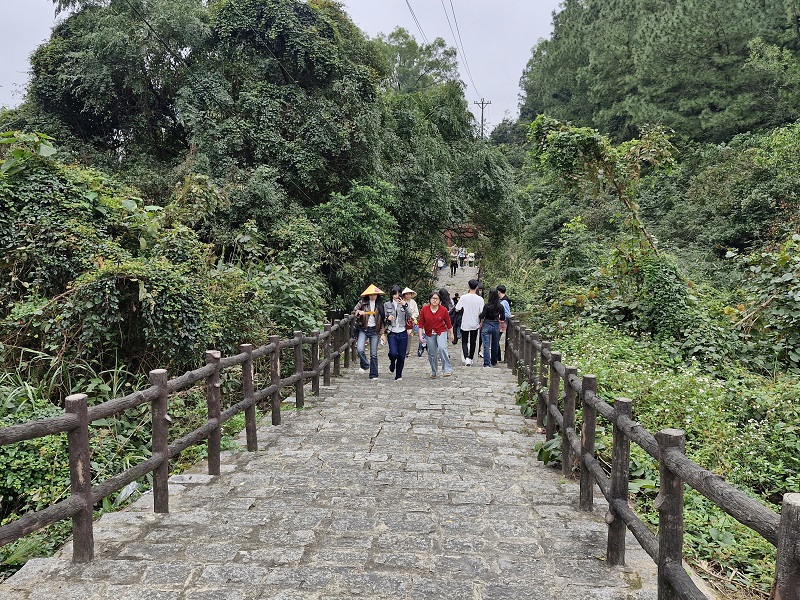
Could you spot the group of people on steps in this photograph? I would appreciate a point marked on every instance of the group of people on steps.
(459, 257)
(438, 322)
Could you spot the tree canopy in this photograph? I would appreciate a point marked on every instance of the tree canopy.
(619, 65)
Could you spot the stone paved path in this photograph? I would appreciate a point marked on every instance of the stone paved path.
(420, 489)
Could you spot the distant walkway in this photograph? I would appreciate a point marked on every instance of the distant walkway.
(417, 489)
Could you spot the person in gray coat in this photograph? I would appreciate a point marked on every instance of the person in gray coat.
(399, 314)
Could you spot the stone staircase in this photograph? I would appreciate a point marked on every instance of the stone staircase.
(418, 489)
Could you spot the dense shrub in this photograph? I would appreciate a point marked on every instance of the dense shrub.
(741, 426)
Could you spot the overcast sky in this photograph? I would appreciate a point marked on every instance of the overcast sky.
(497, 38)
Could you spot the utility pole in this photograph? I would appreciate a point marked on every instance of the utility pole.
(483, 104)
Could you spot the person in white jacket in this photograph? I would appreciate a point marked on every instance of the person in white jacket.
(471, 304)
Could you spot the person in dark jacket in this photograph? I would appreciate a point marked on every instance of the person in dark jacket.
(506, 302)
(455, 317)
(490, 316)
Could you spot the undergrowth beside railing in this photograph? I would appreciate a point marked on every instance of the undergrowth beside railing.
(734, 558)
(126, 443)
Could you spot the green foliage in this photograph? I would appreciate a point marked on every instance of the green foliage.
(414, 67)
(36, 472)
(549, 452)
(578, 255)
(736, 195)
(770, 316)
(359, 238)
(98, 277)
(23, 147)
(249, 306)
(587, 158)
(664, 299)
(741, 426)
(525, 399)
(110, 80)
(689, 65)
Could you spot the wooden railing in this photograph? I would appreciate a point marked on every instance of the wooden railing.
(333, 343)
(533, 361)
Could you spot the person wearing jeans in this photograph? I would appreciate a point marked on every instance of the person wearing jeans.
(491, 315)
(370, 318)
(398, 312)
(435, 324)
(371, 334)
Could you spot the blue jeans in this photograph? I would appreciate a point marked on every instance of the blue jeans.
(490, 334)
(437, 346)
(372, 365)
(398, 344)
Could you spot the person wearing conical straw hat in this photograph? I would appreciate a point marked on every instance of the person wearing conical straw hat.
(370, 320)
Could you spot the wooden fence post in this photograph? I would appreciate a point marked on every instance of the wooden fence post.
(213, 401)
(326, 372)
(669, 504)
(248, 393)
(315, 364)
(353, 348)
(567, 459)
(552, 396)
(541, 406)
(524, 354)
(80, 478)
(275, 378)
(787, 569)
(299, 390)
(620, 467)
(511, 346)
(588, 432)
(347, 337)
(337, 349)
(160, 425)
(533, 356)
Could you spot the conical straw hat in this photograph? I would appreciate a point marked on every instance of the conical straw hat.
(371, 290)
(407, 290)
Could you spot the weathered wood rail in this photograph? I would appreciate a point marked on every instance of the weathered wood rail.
(533, 361)
(332, 343)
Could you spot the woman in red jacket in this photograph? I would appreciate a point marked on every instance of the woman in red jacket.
(434, 322)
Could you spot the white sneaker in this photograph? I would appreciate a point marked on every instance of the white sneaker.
(360, 370)
(468, 362)
(480, 353)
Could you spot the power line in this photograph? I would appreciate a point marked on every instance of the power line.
(424, 37)
(463, 51)
(447, 16)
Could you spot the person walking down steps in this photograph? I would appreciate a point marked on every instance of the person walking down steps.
(370, 319)
(491, 316)
(408, 296)
(398, 315)
(470, 305)
(435, 324)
